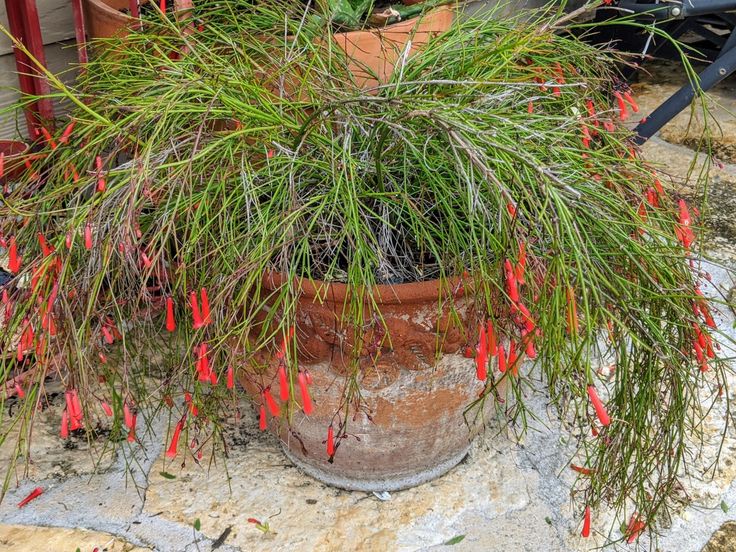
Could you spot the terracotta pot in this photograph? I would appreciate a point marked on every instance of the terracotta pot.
(373, 54)
(13, 156)
(103, 18)
(410, 428)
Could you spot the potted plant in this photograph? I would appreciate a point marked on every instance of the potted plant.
(373, 37)
(382, 272)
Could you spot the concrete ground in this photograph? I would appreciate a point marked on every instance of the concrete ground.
(507, 495)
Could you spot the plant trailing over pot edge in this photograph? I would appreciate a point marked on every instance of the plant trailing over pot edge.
(494, 158)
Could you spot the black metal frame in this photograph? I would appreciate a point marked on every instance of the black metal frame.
(689, 16)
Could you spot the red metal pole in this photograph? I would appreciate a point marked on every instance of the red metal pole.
(34, 44)
(23, 63)
(79, 31)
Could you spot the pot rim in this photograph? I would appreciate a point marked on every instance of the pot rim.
(10, 144)
(110, 11)
(385, 294)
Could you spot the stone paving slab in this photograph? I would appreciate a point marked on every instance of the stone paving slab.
(19, 538)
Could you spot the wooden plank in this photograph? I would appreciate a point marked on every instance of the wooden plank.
(56, 18)
(60, 57)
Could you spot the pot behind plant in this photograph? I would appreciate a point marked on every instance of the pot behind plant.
(104, 18)
(372, 55)
(14, 153)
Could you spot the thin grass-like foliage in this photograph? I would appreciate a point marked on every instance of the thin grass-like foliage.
(236, 144)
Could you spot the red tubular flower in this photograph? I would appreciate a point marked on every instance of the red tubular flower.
(283, 384)
(67, 133)
(162, 5)
(196, 315)
(19, 390)
(684, 213)
(106, 408)
(600, 410)
(145, 260)
(511, 361)
(101, 184)
(14, 261)
(170, 322)
(131, 433)
(306, 399)
(658, 187)
(33, 495)
(171, 451)
(128, 417)
(560, 74)
(481, 358)
(511, 208)
(206, 318)
(262, 423)
(46, 249)
(623, 113)
(529, 324)
(49, 139)
(491, 338)
(64, 431)
(230, 377)
(273, 408)
(635, 527)
(330, 442)
(192, 407)
(511, 287)
(530, 107)
(88, 236)
(203, 363)
(68, 240)
(586, 136)
(107, 335)
(590, 107)
(585, 533)
(501, 359)
(629, 98)
(581, 470)
(527, 340)
(609, 126)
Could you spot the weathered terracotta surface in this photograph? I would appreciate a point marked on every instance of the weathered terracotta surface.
(103, 18)
(410, 418)
(373, 54)
(13, 154)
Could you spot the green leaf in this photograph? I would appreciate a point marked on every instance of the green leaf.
(455, 540)
(724, 506)
(197, 524)
(167, 475)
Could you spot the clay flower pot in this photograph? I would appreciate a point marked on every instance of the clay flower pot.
(104, 18)
(411, 427)
(13, 156)
(373, 54)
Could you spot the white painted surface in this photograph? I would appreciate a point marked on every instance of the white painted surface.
(56, 19)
